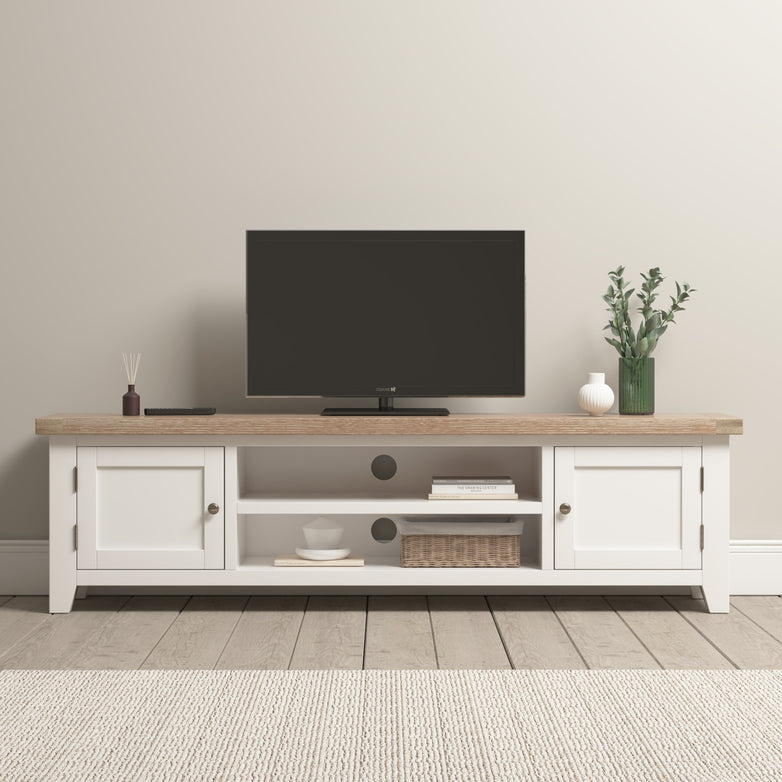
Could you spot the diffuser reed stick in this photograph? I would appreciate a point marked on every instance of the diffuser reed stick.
(131, 402)
(131, 362)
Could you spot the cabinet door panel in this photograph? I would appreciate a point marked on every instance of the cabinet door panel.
(147, 508)
(631, 508)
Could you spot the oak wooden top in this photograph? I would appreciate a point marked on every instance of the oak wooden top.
(456, 424)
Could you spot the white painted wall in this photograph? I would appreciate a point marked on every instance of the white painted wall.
(139, 141)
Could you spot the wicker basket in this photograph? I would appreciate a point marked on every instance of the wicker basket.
(460, 551)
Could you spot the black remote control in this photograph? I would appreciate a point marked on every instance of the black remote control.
(179, 411)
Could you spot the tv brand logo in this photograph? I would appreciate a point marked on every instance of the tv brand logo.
(385, 389)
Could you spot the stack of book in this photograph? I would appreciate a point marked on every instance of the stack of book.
(446, 487)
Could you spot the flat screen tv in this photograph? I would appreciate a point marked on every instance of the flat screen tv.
(385, 314)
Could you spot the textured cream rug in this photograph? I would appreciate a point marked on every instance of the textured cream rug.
(391, 725)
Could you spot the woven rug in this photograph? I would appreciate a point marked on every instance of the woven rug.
(391, 725)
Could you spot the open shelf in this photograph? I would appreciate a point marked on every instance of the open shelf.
(262, 537)
(345, 472)
(280, 488)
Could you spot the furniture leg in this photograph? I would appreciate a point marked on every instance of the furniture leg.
(62, 524)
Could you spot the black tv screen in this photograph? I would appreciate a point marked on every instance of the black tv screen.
(385, 313)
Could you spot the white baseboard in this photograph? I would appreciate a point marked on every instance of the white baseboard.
(24, 567)
(755, 567)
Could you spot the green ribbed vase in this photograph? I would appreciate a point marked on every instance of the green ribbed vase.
(636, 386)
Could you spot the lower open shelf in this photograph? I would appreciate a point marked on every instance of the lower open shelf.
(261, 537)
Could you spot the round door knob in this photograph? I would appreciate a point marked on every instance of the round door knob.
(213, 508)
(564, 509)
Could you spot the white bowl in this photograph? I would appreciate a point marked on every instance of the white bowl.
(323, 534)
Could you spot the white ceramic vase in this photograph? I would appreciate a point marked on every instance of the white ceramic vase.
(595, 397)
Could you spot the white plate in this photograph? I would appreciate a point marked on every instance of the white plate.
(322, 554)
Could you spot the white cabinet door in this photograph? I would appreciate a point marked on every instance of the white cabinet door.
(147, 507)
(627, 507)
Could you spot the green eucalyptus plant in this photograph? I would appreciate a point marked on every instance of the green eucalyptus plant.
(629, 343)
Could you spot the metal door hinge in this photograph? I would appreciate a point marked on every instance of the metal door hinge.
(703, 472)
(702, 537)
(75, 537)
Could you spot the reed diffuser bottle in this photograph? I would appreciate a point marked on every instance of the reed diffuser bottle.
(131, 402)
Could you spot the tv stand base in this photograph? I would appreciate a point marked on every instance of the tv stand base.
(385, 406)
(391, 411)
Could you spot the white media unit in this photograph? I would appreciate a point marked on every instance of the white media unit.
(208, 501)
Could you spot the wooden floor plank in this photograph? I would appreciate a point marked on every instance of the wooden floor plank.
(60, 641)
(744, 643)
(391, 632)
(764, 610)
(19, 617)
(332, 634)
(532, 633)
(265, 636)
(465, 635)
(600, 635)
(399, 633)
(673, 641)
(199, 634)
(127, 639)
